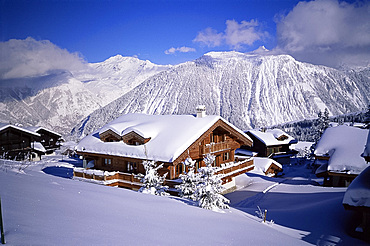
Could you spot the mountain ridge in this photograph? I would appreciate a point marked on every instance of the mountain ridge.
(249, 90)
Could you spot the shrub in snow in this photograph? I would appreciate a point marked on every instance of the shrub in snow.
(262, 216)
(190, 181)
(152, 181)
(209, 187)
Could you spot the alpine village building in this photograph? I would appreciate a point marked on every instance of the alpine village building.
(273, 143)
(338, 155)
(116, 151)
(27, 143)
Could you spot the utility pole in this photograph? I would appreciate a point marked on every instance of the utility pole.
(2, 225)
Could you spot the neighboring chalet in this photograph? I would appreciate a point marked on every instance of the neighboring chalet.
(357, 196)
(49, 139)
(273, 143)
(124, 143)
(339, 154)
(19, 143)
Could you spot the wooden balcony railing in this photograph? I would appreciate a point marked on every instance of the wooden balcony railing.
(213, 147)
(120, 179)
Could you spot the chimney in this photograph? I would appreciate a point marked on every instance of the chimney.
(201, 111)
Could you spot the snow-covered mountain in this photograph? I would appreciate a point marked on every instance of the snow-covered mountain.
(60, 99)
(249, 90)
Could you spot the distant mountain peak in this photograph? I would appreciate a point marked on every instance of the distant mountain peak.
(261, 50)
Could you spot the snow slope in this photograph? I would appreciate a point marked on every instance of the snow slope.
(314, 214)
(41, 209)
(248, 90)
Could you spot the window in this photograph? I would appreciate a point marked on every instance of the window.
(131, 166)
(197, 165)
(226, 156)
(107, 161)
(179, 169)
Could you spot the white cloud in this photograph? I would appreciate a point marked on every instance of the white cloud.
(235, 35)
(29, 57)
(182, 49)
(209, 37)
(245, 33)
(327, 32)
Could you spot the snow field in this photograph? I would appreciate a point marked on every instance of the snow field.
(43, 209)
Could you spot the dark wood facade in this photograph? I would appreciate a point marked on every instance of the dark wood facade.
(266, 151)
(220, 140)
(16, 143)
(50, 140)
(333, 179)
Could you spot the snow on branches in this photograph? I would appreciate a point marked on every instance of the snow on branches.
(152, 181)
(190, 181)
(204, 187)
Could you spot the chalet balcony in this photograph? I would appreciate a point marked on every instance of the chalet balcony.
(214, 147)
(120, 179)
(132, 181)
(233, 169)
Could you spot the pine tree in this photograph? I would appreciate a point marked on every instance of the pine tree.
(190, 181)
(322, 125)
(152, 181)
(209, 187)
(326, 119)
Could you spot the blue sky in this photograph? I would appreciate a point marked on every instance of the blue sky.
(170, 32)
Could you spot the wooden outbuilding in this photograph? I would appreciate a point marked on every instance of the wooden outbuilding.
(49, 139)
(273, 143)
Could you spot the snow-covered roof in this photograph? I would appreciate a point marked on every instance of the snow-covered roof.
(301, 145)
(263, 163)
(170, 135)
(37, 128)
(38, 146)
(245, 152)
(270, 137)
(344, 145)
(4, 126)
(358, 192)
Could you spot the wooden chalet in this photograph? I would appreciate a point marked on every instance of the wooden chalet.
(49, 139)
(273, 143)
(123, 144)
(17, 143)
(30, 143)
(338, 155)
